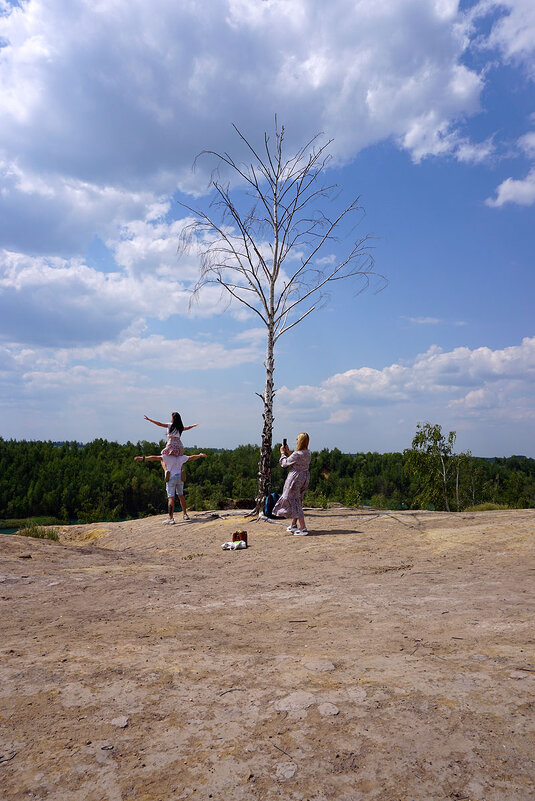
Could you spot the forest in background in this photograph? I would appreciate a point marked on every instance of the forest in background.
(99, 481)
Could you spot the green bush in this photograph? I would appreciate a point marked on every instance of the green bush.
(486, 507)
(39, 532)
(316, 499)
(352, 498)
(17, 522)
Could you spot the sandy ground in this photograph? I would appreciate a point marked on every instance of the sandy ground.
(388, 656)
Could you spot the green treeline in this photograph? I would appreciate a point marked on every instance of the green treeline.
(100, 481)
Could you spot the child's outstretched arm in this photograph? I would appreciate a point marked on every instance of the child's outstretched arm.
(187, 428)
(196, 456)
(156, 423)
(148, 458)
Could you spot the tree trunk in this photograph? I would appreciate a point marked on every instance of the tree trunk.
(264, 464)
(444, 483)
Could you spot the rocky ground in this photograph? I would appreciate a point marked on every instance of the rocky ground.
(387, 656)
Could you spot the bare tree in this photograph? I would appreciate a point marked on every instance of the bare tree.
(269, 257)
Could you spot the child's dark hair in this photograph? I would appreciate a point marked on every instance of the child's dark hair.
(177, 424)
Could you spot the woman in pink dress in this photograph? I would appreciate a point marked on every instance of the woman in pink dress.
(290, 503)
(174, 445)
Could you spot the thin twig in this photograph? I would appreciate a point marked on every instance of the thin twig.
(13, 755)
(282, 750)
(232, 690)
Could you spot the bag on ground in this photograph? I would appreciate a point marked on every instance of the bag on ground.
(270, 502)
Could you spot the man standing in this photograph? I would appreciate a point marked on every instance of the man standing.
(174, 480)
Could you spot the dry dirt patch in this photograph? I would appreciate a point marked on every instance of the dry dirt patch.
(387, 656)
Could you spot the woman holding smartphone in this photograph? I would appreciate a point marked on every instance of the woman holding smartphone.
(290, 503)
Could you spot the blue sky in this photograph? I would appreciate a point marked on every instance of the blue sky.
(431, 108)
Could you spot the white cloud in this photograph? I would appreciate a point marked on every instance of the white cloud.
(252, 335)
(527, 143)
(104, 106)
(76, 394)
(520, 191)
(514, 31)
(86, 392)
(67, 301)
(145, 246)
(433, 321)
(54, 301)
(126, 362)
(127, 94)
(513, 35)
(424, 320)
(47, 213)
(156, 351)
(476, 399)
(474, 153)
(467, 380)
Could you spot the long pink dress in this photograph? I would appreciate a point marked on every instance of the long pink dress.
(290, 503)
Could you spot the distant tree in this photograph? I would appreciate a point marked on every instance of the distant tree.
(462, 461)
(271, 256)
(101, 481)
(433, 462)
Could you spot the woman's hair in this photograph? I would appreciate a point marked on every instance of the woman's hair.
(302, 441)
(177, 424)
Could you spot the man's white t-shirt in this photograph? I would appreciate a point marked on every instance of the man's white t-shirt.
(175, 463)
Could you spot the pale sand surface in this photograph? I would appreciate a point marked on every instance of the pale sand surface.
(389, 657)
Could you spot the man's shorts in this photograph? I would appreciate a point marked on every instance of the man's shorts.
(175, 486)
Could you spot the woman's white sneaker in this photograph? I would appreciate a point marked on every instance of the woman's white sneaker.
(291, 529)
(300, 532)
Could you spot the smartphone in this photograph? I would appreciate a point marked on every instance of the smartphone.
(285, 444)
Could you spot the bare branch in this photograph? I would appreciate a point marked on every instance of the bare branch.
(242, 300)
(287, 328)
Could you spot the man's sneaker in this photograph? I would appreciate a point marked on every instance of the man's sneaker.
(300, 532)
(170, 521)
(291, 529)
(186, 516)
